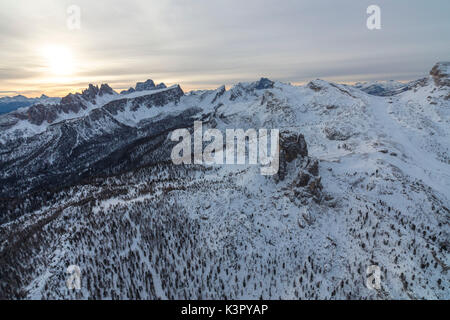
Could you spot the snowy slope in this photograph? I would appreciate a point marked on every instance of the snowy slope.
(372, 188)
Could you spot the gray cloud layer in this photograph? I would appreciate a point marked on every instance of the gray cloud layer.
(202, 43)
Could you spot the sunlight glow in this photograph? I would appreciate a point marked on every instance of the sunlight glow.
(59, 60)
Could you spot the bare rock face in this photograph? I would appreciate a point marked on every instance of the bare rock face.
(90, 93)
(160, 86)
(308, 177)
(40, 113)
(105, 89)
(145, 86)
(72, 103)
(441, 74)
(310, 171)
(306, 182)
(292, 145)
(264, 83)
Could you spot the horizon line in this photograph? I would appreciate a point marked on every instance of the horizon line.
(30, 94)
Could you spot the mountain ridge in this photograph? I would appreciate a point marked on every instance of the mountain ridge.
(363, 180)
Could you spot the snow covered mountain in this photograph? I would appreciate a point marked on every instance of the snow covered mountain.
(364, 180)
(145, 86)
(382, 88)
(8, 104)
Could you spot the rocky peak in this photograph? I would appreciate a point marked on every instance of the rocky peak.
(105, 89)
(130, 90)
(144, 86)
(147, 85)
(441, 73)
(90, 93)
(264, 83)
(292, 145)
(306, 180)
(161, 86)
(242, 89)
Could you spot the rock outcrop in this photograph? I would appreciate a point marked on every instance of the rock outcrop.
(307, 182)
(144, 86)
(441, 74)
(264, 83)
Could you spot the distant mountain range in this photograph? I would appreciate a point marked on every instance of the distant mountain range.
(378, 88)
(8, 104)
(364, 180)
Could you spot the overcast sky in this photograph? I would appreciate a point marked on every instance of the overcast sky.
(206, 43)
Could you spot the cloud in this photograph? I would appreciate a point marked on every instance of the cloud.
(204, 43)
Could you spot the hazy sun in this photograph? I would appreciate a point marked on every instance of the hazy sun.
(59, 60)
